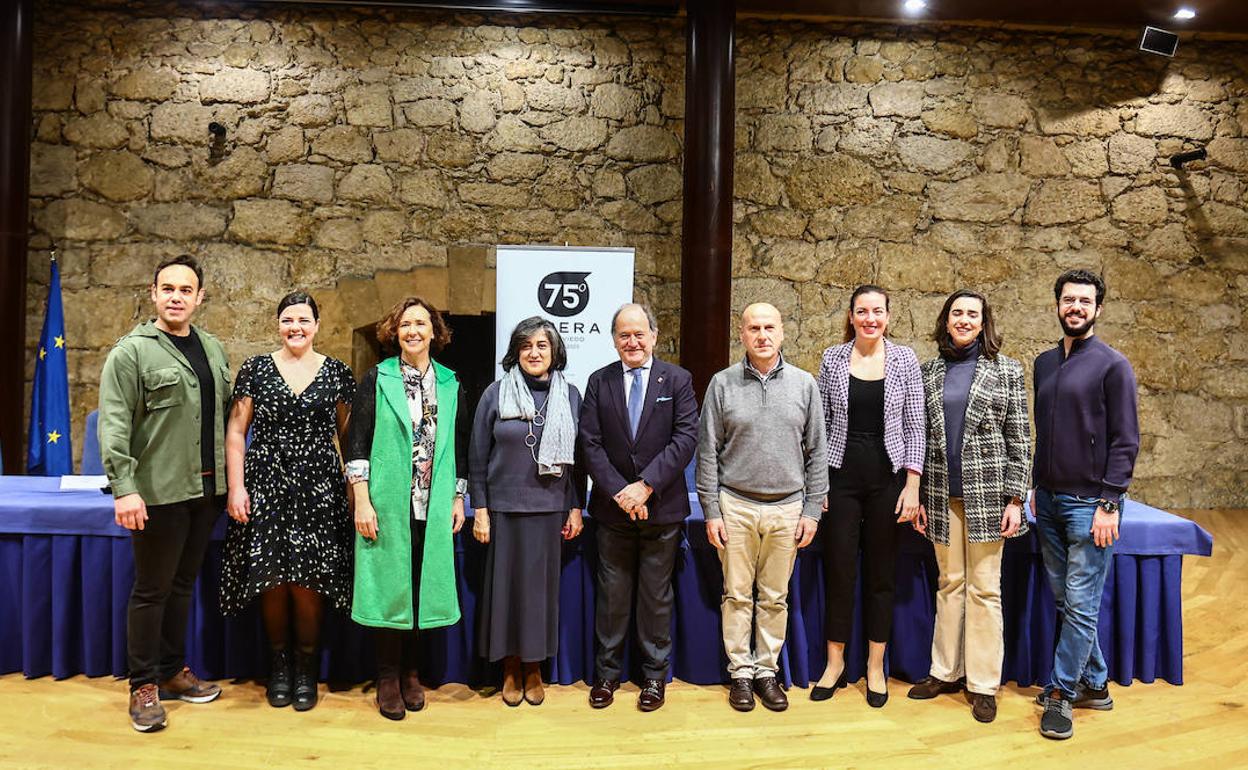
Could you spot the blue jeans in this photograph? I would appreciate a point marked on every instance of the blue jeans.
(1076, 568)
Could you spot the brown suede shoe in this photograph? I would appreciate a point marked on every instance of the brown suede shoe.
(513, 688)
(390, 699)
(534, 690)
(983, 707)
(185, 686)
(146, 713)
(413, 693)
(930, 687)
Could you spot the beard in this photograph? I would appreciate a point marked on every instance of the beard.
(1079, 328)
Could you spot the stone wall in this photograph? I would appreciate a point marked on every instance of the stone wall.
(372, 142)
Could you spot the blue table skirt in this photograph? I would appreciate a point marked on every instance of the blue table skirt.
(63, 595)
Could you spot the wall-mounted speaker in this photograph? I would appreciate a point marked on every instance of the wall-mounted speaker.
(1159, 41)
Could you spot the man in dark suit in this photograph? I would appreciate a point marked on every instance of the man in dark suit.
(638, 431)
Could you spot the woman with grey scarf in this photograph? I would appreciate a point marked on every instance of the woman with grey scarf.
(527, 492)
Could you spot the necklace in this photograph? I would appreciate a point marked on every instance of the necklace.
(538, 420)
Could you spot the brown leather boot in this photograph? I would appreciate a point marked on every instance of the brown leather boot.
(534, 690)
(513, 688)
(413, 693)
(390, 698)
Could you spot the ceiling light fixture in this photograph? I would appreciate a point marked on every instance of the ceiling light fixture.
(1184, 14)
(915, 6)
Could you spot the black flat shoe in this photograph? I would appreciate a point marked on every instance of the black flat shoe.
(818, 693)
(876, 700)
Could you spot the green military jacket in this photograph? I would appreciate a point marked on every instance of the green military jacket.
(149, 417)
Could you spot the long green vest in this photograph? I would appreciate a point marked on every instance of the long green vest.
(383, 567)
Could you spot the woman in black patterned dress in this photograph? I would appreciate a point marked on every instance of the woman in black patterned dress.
(290, 533)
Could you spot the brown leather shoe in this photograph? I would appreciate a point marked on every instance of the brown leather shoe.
(146, 713)
(983, 707)
(185, 686)
(930, 687)
(769, 692)
(741, 694)
(651, 696)
(534, 690)
(602, 694)
(390, 699)
(413, 693)
(513, 687)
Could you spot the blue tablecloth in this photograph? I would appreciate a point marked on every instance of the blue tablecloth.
(66, 570)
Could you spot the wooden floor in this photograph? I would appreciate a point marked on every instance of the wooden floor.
(82, 722)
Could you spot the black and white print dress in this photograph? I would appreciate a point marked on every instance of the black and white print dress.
(299, 530)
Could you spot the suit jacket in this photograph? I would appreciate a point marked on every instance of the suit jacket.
(903, 404)
(996, 449)
(667, 435)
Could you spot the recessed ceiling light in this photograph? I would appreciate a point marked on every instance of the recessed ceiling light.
(1183, 14)
(915, 6)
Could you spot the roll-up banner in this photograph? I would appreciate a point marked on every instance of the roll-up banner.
(577, 289)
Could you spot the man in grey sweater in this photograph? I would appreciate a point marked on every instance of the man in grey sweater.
(761, 479)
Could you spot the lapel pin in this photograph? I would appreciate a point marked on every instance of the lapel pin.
(660, 379)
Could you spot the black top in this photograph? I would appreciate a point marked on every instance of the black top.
(866, 406)
(192, 349)
(959, 374)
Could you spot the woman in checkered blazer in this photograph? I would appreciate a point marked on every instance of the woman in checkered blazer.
(976, 475)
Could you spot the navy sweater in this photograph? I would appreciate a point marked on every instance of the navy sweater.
(1087, 429)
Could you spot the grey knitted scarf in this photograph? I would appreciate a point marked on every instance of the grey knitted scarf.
(558, 442)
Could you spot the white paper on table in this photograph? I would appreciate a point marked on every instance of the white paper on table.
(79, 483)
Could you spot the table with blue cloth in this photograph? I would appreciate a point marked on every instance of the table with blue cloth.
(66, 571)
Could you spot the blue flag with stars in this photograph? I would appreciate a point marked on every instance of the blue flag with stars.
(50, 451)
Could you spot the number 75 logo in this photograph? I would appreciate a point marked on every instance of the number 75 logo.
(563, 294)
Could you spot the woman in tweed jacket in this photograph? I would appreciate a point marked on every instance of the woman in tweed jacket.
(977, 461)
(873, 407)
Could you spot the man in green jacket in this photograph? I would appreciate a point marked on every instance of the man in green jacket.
(164, 398)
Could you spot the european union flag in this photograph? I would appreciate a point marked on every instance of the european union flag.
(50, 451)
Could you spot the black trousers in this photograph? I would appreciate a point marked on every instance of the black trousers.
(168, 553)
(396, 648)
(635, 556)
(862, 500)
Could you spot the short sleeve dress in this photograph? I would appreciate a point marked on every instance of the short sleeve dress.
(299, 530)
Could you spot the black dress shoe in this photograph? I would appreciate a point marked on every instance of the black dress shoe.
(769, 692)
(602, 694)
(818, 693)
(278, 691)
(741, 695)
(876, 700)
(651, 696)
(306, 675)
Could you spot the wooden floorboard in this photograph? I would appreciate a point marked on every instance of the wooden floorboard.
(81, 722)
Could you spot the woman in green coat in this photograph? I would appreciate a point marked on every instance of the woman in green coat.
(407, 464)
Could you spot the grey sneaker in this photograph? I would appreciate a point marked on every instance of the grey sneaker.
(1058, 721)
(146, 713)
(1085, 698)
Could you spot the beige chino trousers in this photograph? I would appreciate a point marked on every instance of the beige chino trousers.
(757, 562)
(969, 635)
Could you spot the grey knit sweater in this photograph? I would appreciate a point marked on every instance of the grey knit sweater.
(762, 438)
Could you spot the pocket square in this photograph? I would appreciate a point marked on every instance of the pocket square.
(662, 398)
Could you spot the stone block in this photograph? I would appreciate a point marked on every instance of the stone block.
(921, 268)
(819, 182)
(655, 184)
(343, 143)
(614, 101)
(980, 198)
(181, 122)
(1145, 205)
(1167, 244)
(510, 133)
(643, 144)
(1040, 156)
(866, 138)
(784, 133)
(477, 112)
(1087, 158)
(366, 182)
(402, 145)
(285, 145)
(241, 174)
(781, 223)
(490, 194)
(52, 169)
(761, 90)
(268, 221)
(99, 131)
(1130, 154)
(894, 218)
(864, 69)
(429, 113)
(422, 188)
(340, 234)
(1179, 120)
(931, 154)
(368, 105)
(793, 260)
(952, 121)
(384, 227)
(1085, 122)
(903, 99)
(549, 97)
(828, 98)
(117, 176)
(997, 110)
(1229, 153)
(311, 110)
(451, 150)
(847, 263)
(80, 220)
(1059, 201)
(51, 93)
(630, 216)
(179, 221)
(240, 86)
(304, 182)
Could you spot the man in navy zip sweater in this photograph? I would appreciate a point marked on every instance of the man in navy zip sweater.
(1087, 438)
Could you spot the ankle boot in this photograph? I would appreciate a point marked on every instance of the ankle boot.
(389, 698)
(278, 691)
(307, 665)
(513, 687)
(534, 690)
(413, 692)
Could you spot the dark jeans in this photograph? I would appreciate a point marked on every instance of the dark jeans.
(396, 648)
(862, 500)
(168, 553)
(641, 556)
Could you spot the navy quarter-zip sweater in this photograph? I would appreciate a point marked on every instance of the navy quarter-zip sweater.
(1087, 429)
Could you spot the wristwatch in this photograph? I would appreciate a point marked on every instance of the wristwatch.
(1109, 506)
